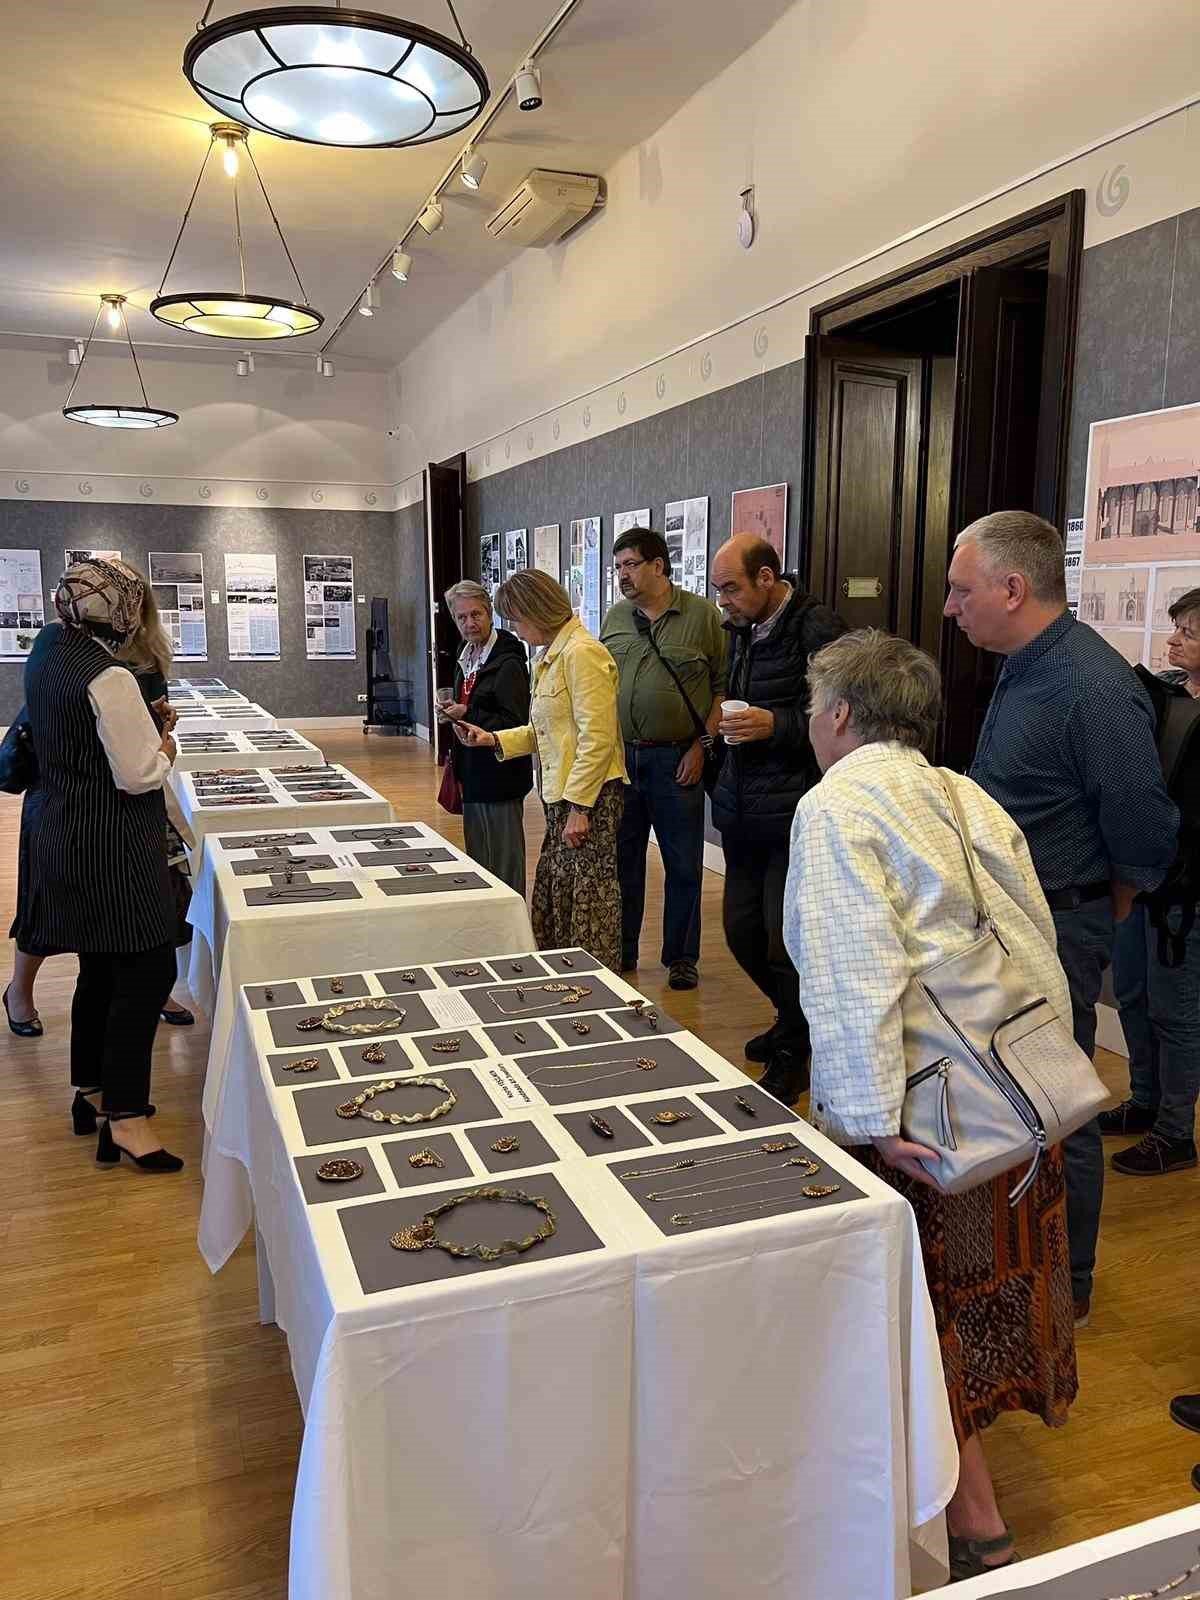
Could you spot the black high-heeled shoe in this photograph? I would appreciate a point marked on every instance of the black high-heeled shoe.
(85, 1118)
(32, 1029)
(109, 1153)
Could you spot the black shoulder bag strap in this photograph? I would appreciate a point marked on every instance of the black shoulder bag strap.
(714, 753)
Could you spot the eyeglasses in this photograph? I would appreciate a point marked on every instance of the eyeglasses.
(628, 566)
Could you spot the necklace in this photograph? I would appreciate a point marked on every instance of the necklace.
(354, 1108)
(262, 839)
(818, 1191)
(642, 1064)
(572, 994)
(809, 1169)
(422, 1235)
(330, 1019)
(304, 891)
(773, 1147)
(1164, 1589)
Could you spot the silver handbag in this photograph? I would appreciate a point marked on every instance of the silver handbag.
(994, 1076)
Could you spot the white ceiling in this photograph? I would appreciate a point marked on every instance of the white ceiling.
(102, 138)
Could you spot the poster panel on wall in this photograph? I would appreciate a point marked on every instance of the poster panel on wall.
(490, 575)
(22, 609)
(1141, 528)
(624, 520)
(515, 543)
(687, 540)
(584, 586)
(177, 579)
(763, 512)
(252, 607)
(70, 557)
(545, 549)
(1073, 546)
(575, 568)
(329, 608)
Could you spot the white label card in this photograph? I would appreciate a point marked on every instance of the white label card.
(449, 1010)
(504, 1086)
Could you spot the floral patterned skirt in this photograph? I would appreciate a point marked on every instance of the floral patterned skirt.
(576, 894)
(1000, 1280)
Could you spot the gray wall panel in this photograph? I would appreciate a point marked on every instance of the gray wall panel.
(783, 443)
(408, 611)
(1183, 351)
(725, 439)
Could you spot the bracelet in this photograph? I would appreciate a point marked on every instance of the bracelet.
(354, 1108)
(422, 1235)
(331, 1024)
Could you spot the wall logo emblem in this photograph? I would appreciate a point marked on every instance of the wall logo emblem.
(1112, 192)
(84, 486)
(487, 458)
(660, 388)
(508, 449)
(529, 441)
(146, 491)
(761, 343)
(261, 494)
(316, 496)
(622, 403)
(587, 416)
(204, 492)
(371, 497)
(557, 429)
(705, 367)
(21, 485)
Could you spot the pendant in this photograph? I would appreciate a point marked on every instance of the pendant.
(506, 1144)
(598, 1126)
(343, 1170)
(348, 1109)
(667, 1119)
(305, 1064)
(307, 1024)
(375, 1054)
(582, 1028)
(418, 1236)
(818, 1191)
(337, 986)
(425, 1158)
(408, 977)
(268, 995)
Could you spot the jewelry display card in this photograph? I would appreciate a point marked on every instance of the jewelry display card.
(503, 1002)
(568, 1077)
(396, 1059)
(684, 1120)
(301, 894)
(264, 864)
(400, 857)
(368, 1228)
(468, 1049)
(519, 967)
(574, 1030)
(625, 1134)
(731, 1182)
(283, 1068)
(261, 995)
(460, 973)
(320, 1123)
(440, 883)
(262, 841)
(570, 961)
(407, 979)
(416, 1019)
(533, 1037)
(646, 1022)
(352, 987)
(320, 1191)
(453, 1164)
(381, 832)
(532, 1148)
(766, 1111)
(1144, 1571)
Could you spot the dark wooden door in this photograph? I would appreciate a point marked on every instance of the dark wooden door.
(1002, 322)
(444, 535)
(865, 497)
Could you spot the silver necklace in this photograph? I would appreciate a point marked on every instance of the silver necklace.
(571, 994)
(773, 1147)
(809, 1169)
(684, 1219)
(301, 892)
(642, 1064)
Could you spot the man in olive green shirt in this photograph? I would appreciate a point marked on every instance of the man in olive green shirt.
(655, 621)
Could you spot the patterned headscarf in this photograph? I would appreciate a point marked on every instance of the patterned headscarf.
(104, 596)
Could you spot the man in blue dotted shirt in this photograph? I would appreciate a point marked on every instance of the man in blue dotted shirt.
(1068, 749)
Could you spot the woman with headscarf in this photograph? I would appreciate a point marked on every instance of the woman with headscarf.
(95, 858)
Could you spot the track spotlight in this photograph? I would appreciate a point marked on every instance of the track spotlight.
(473, 168)
(324, 368)
(75, 353)
(369, 304)
(528, 87)
(242, 367)
(432, 218)
(401, 264)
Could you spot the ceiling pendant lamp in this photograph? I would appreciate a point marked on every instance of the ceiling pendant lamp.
(337, 76)
(242, 314)
(115, 416)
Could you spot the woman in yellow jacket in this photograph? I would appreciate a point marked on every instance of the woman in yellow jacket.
(573, 729)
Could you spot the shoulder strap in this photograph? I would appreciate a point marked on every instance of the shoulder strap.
(983, 917)
(697, 719)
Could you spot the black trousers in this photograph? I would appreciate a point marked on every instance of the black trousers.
(755, 875)
(118, 996)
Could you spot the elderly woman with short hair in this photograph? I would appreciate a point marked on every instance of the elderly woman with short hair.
(491, 686)
(878, 891)
(574, 730)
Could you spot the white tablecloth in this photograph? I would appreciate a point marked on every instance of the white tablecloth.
(287, 811)
(234, 943)
(751, 1411)
(1159, 1567)
(301, 753)
(249, 717)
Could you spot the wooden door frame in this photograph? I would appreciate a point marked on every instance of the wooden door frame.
(1051, 233)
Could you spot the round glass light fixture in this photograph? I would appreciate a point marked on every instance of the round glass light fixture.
(115, 416)
(240, 313)
(337, 76)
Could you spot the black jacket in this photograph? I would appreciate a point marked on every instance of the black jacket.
(500, 700)
(761, 782)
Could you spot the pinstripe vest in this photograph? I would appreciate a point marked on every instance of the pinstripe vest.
(97, 857)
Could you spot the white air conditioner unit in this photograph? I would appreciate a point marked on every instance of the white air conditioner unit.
(545, 207)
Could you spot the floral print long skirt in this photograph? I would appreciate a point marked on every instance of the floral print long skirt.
(576, 893)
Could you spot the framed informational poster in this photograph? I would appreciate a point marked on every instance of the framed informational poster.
(70, 557)
(490, 573)
(1141, 528)
(624, 520)
(545, 550)
(329, 607)
(687, 540)
(762, 512)
(177, 578)
(585, 572)
(22, 609)
(252, 607)
(515, 545)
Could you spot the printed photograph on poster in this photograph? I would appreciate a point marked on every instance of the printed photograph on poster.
(762, 512)
(1171, 584)
(329, 608)
(545, 549)
(673, 533)
(490, 575)
(575, 568)
(514, 551)
(687, 540)
(70, 557)
(252, 607)
(177, 579)
(624, 520)
(1129, 642)
(1114, 597)
(22, 609)
(584, 587)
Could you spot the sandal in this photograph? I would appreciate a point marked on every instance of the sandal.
(967, 1556)
(30, 1029)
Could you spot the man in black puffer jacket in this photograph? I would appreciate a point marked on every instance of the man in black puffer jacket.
(769, 764)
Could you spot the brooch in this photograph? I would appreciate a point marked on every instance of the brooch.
(337, 985)
(743, 1104)
(408, 977)
(375, 1053)
(464, 972)
(446, 1047)
(667, 1119)
(582, 1027)
(307, 1024)
(506, 1144)
(268, 995)
(305, 1064)
(818, 1191)
(342, 1170)
(425, 1158)
(598, 1126)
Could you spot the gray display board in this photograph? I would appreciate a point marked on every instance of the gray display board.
(570, 1076)
(316, 1108)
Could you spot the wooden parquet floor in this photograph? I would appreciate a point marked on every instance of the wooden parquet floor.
(149, 1428)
